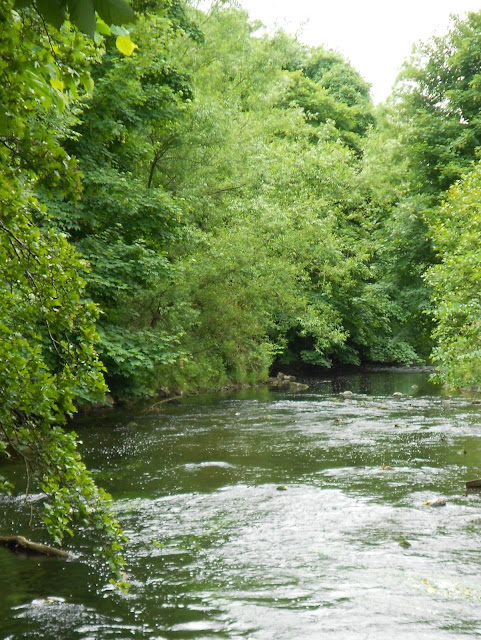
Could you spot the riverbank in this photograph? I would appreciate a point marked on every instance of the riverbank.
(300, 377)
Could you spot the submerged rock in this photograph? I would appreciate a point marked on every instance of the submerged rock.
(285, 377)
(286, 383)
(436, 503)
(298, 386)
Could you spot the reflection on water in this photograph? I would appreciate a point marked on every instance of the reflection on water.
(352, 549)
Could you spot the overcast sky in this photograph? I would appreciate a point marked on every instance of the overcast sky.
(376, 36)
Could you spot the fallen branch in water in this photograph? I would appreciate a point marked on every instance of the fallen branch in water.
(153, 407)
(21, 544)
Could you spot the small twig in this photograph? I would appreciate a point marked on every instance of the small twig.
(12, 150)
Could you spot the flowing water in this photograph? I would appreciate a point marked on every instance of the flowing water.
(261, 516)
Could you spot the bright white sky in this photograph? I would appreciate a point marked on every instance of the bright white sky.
(376, 36)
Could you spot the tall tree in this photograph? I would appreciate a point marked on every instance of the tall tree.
(330, 90)
(125, 224)
(258, 172)
(456, 230)
(439, 100)
(430, 130)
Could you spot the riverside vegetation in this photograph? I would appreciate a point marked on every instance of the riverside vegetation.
(187, 200)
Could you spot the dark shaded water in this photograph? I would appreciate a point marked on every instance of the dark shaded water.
(217, 551)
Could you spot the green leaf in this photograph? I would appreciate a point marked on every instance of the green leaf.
(5, 123)
(88, 84)
(22, 4)
(82, 15)
(57, 84)
(119, 30)
(125, 45)
(54, 11)
(103, 28)
(114, 11)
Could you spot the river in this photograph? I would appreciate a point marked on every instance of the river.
(273, 516)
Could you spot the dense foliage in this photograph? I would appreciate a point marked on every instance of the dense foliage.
(124, 223)
(438, 112)
(440, 102)
(48, 359)
(81, 13)
(198, 204)
(456, 229)
(191, 151)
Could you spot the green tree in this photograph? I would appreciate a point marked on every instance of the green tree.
(427, 138)
(439, 99)
(48, 360)
(456, 230)
(328, 89)
(264, 187)
(400, 237)
(125, 224)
